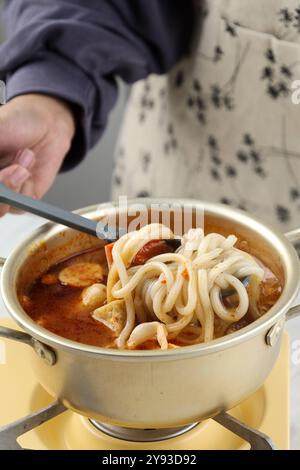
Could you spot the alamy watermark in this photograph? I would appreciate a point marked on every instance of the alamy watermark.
(127, 216)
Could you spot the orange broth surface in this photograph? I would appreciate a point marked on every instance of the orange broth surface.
(58, 307)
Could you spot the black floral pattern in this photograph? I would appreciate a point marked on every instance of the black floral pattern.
(171, 143)
(218, 53)
(226, 201)
(230, 28)
(222, 155)
(234, 203)
(146, 161)
(231, 171)
(248, 153)
(217, 96)
(221, 98)
(214, 152)
(290, 18)
(147, 102)
(277, 76)
(197, 101)
(215, 174)
(283, 213)
(143, 193)
(117, 180)
(119, 166)
(286, 17)
(218, 169)
(295, 194)
(179, 78)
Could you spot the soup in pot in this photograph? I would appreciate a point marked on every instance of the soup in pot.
(139, 294)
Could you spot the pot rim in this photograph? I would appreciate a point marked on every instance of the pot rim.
(48, 230)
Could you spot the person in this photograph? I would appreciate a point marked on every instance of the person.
(210, 114)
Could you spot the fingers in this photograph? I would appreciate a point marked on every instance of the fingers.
(6, 160)
(13, 177)
(27, 190)
(25, 158)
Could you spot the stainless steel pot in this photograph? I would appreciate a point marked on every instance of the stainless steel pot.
(153, 389)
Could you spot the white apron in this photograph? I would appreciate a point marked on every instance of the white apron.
(221, 126)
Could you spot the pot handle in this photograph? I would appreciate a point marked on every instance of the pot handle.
(16, 335)
(293, 312)
(43, 351)
(294, 238)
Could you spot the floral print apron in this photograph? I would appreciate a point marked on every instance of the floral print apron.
(221, 126)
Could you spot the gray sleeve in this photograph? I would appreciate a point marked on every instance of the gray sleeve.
(74, 49)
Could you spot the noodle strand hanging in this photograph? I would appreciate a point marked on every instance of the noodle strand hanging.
(179, 295)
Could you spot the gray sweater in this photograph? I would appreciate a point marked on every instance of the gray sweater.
(75, 49)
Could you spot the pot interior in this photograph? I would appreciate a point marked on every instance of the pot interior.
(56, 243)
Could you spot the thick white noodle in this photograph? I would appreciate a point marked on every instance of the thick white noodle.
(179, 292)
(146, 331)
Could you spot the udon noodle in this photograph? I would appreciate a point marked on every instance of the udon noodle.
(180, 294)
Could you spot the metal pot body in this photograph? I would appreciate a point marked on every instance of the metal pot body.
(153, 389)
(158, 393)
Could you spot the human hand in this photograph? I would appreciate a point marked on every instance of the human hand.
(36, 133)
